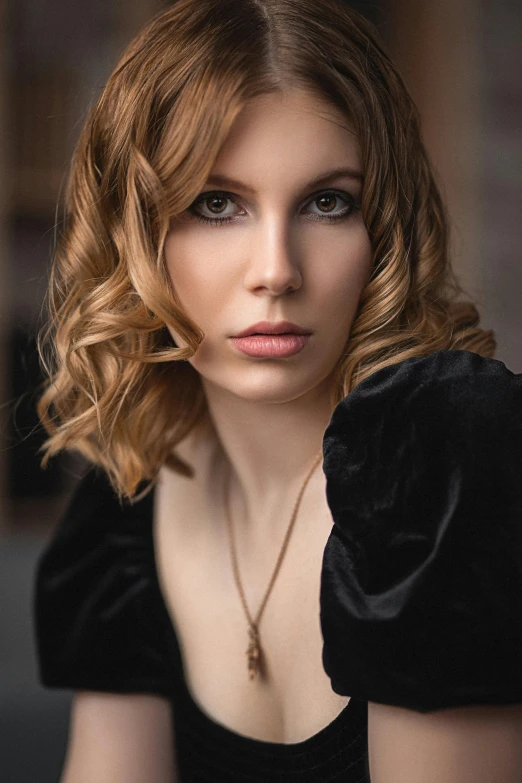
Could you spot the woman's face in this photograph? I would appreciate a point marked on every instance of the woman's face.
(276, 235)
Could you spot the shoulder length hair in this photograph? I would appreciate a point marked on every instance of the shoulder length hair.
(118, 390)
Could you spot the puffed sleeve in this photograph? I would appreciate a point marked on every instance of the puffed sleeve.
(421, 587)
(95, 605)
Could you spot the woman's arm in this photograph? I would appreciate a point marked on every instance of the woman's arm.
(478, 744)
(120, 738)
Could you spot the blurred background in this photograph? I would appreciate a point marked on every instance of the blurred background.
(462, 63)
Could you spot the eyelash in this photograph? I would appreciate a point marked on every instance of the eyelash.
(219, 221)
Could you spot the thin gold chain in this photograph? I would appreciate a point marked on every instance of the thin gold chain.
(254, 650)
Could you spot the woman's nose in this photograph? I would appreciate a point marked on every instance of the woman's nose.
(273, 265)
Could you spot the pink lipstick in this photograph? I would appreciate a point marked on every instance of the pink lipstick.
(266, 340)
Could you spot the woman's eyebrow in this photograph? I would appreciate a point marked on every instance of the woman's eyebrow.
(221, 181)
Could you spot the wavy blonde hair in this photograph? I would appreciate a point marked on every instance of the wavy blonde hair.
(118, 390)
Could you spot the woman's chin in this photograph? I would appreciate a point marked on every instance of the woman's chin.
(272, 387)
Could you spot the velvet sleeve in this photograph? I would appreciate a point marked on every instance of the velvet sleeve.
(421, 588)
(95, 605)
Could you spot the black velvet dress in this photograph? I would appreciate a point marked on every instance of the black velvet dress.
(421, 582)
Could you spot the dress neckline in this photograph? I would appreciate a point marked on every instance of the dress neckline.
(221, 732)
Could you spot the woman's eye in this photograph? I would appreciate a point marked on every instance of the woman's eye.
(215, 205)
(212, 207)
(333, 205)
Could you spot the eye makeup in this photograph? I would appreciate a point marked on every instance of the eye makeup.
(350, 205)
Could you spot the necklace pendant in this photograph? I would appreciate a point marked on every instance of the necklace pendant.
(253, 652)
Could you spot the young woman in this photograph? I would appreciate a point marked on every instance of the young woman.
(255, 333)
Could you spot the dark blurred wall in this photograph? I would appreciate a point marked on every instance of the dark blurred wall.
(59, 55)
(462, 62)
(500, 204)
(4, 260)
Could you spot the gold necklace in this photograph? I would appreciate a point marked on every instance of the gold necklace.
(254, 651)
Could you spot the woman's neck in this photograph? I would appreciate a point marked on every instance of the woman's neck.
(262, 451)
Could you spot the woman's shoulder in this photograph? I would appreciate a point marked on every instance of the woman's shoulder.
(95, 515)
(95, 596)
(96, 530)
(421, 595)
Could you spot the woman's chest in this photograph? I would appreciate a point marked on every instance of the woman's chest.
(292, 699)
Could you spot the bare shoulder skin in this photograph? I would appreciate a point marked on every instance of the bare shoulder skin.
(479, 744)
(120, 738)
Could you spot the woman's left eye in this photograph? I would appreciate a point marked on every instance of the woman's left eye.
(326, 202)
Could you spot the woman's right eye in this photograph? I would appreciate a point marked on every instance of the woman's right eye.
(215, 204)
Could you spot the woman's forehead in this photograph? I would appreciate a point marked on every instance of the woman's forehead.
(293, 135)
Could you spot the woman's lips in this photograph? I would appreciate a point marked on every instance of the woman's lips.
(271, 345)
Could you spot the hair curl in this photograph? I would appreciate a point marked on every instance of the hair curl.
(118, 391)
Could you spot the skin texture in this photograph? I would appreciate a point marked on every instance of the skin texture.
(119, 738)
(478, 744)
(279, 259)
